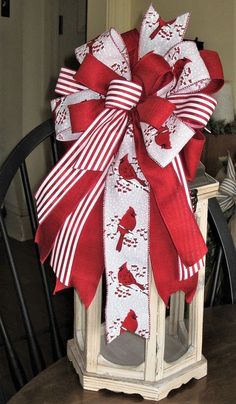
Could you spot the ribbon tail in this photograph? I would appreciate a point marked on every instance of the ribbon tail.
(52, 223)
(126, 221)
(191, 155)
(78, 240)
(171, 199)
(70, 180)
(104, 142)
(164, 259)
(186, 271)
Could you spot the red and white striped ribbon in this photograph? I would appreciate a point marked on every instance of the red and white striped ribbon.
(194, 108)
(185, 272)
(92, 151)
(66, 83)
(64, 175)
(121, 97)
(101, 144)
(59, 181)
(65, 245)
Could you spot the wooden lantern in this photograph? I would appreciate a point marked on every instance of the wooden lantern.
(129, 364)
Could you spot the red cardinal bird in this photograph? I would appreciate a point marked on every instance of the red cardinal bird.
(161, 24)
(126, 278)
(179, 67)
(130, 322)
(126, 224)
(163, 138)
(127, 171)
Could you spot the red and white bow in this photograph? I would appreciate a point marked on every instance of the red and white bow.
(135, 108)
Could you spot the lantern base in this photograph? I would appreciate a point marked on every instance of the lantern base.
(148, 390)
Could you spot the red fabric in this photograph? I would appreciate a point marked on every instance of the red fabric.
(152, 72)
(86, 272)
(171, 200)
(164, 258)
(214, 66)
(95, 75)
(131, 39)
(84, 113)
(48, 229)
(191, 155)
(155, 111)
(88, 264)
(169, 211)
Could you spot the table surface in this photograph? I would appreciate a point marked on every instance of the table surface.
(60, 384)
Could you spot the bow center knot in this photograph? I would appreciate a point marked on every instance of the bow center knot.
(123, 94)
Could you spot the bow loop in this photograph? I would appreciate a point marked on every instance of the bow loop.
(123, 95)
(215, 69)
(95, 75)
(155, 111)
(153, 73)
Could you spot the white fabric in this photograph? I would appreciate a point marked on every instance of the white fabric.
(121, 194)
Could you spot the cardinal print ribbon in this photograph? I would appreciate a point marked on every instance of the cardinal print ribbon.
(126, 223)
(118, 199)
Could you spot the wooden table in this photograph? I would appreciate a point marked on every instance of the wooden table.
(60, 384)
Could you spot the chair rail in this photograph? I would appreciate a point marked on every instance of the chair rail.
(20, 152)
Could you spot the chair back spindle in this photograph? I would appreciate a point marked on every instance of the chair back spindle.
(16, 368)
(37, 361)
(57, 345)
(14, 162)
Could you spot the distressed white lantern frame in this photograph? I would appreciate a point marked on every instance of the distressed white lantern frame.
(155, 377)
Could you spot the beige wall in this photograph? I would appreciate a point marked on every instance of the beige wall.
(119, 14)
(96, 18)
(104, 14)
(27, 66)
(11, 77)
(74, 17)
(28, 63)
(31, 53)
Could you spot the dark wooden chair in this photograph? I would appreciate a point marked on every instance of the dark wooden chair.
(225, 256)
(16, 161)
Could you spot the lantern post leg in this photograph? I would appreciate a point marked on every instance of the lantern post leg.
(197, 306)
(195, 318)
(151, 343)
(79, 322)
(93, 331)
(161, 316)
